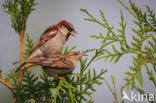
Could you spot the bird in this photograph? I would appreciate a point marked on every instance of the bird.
(52, 39)
(54, 64)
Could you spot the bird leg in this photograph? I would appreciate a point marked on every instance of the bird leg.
(60, 78)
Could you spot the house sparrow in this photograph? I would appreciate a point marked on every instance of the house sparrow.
(54, 64)
(52, 39)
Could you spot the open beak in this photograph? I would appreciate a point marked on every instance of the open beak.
(73, 33)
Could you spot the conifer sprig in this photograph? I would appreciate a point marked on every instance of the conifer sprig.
(145, 53)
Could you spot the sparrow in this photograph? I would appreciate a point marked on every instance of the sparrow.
(52, 39)
(54, 64)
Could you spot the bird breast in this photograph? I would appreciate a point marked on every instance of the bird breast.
(50, 71)
(54, 45)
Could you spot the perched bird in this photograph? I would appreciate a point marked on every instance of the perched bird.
(54, 64)
(52, 39)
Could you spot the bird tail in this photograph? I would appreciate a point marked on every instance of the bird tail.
(19, 67)
(24, 61)
(32, 60)
(16, 62)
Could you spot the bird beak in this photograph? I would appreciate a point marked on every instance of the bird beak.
(73, 33)
(80, 55)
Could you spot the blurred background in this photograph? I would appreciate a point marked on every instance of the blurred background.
(49, 12)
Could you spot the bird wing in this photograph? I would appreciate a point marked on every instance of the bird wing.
(49, 33)
(57, 63)
(62, 65)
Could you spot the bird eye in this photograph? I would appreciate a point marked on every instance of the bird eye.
(76, 53)
(69, 28)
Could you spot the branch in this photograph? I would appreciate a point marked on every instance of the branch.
(22, 43)
(140, 54)
(126, 7)
(22, 53)
(22, 72)
(113, 91)
(6, 84)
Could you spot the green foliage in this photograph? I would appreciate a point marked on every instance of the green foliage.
(113, 91)
(19, 10)
(28, 90)
(29, 45)
(110, 37)
(147, 21)
(79, 87)
(145, 53)
(75, 89)
(43, 88)
(12, 76)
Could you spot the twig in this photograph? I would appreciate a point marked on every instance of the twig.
(22, 53)
(140, 54)
(21, 75)
(22, 72)
(7, 85)
(22, 43)
(127, 8)
(114, 93)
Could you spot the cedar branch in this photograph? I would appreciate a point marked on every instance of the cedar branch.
(22, 72)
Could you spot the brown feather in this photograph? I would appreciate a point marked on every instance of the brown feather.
(49, 33)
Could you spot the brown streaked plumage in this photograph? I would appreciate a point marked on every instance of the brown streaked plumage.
(53, 39)
(54, 64)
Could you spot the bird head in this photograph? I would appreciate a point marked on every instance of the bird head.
(75, 55)
(66, 28)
